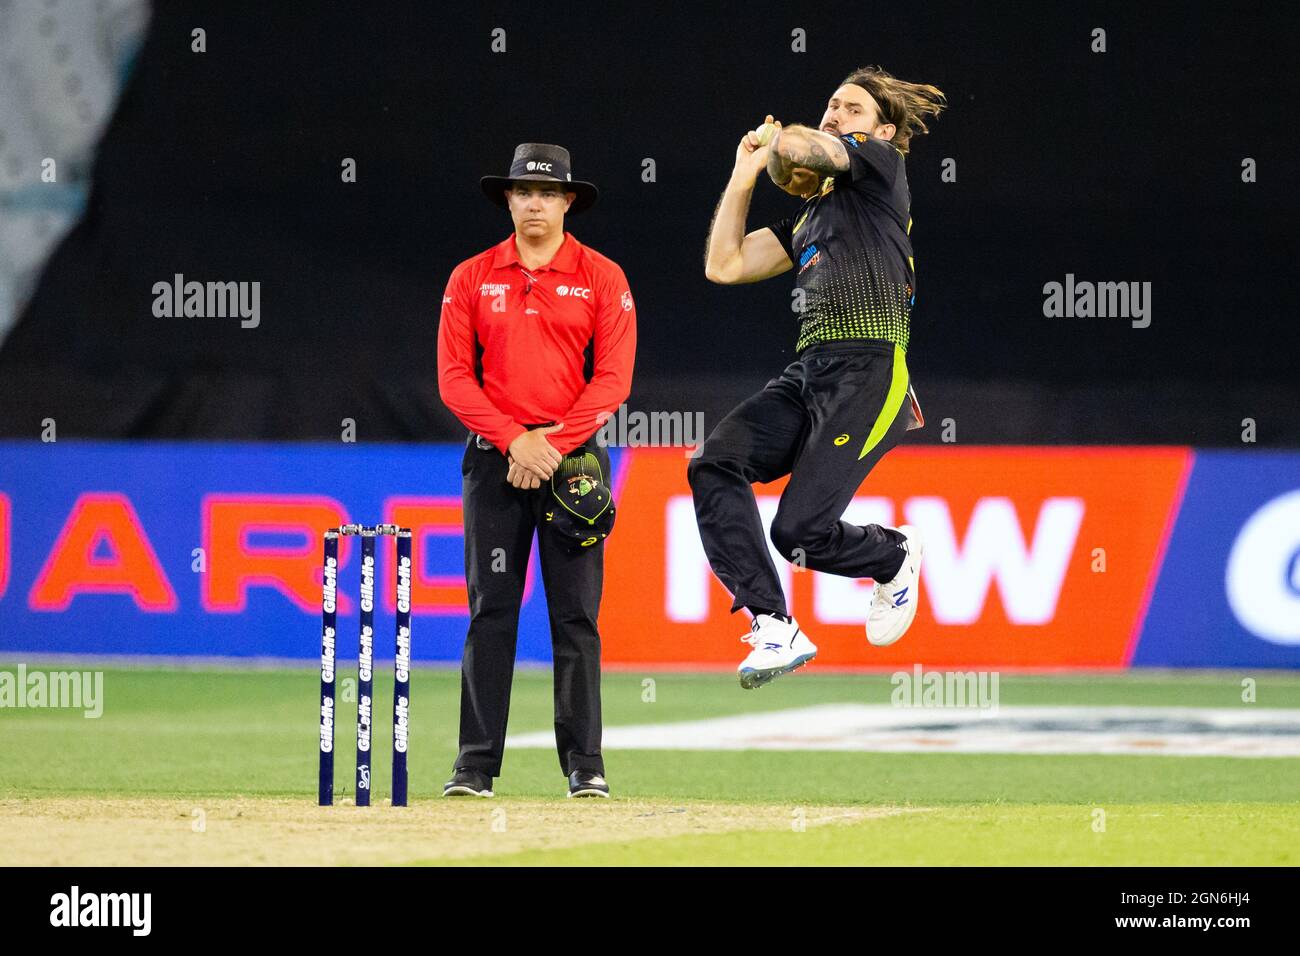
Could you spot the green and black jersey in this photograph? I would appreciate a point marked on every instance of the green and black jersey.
(851, 251)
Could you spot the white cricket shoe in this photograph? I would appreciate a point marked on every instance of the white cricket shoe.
(893, 603)
(779, 648)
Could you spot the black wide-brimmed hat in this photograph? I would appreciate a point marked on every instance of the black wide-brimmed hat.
(540, 162)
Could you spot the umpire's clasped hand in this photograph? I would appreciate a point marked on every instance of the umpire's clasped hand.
(532, 458)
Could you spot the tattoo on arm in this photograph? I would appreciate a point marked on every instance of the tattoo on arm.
(811, 149)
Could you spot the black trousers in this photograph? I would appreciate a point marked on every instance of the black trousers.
(499, 525)
(825, 421)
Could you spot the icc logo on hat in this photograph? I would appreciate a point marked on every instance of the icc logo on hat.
(541, 162)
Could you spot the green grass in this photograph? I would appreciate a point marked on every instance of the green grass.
(1037, 835)
(228, 732)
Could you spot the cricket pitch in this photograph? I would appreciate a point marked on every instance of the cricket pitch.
(255, 831)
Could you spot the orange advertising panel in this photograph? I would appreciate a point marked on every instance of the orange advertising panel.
(1035, 557)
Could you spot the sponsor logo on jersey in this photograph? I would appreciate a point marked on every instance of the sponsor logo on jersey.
(809, 258)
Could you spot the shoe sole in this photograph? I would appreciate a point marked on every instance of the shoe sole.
(752, 678)
(459, 791)
(589, 793)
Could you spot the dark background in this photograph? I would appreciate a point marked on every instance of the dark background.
(1122, 166)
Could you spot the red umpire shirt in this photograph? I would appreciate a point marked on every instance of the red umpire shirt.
(523, 346)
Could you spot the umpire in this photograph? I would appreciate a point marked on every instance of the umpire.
(535, 349)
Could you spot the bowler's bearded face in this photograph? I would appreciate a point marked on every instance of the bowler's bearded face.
(851, 109)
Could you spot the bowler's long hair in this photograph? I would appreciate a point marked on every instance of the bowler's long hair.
(904, 104)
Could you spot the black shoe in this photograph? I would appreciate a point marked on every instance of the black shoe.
(585, 783)
(468, 783)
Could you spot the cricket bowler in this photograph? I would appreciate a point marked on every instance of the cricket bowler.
(846, 400)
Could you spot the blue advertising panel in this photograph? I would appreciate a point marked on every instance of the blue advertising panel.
(1228, 594)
